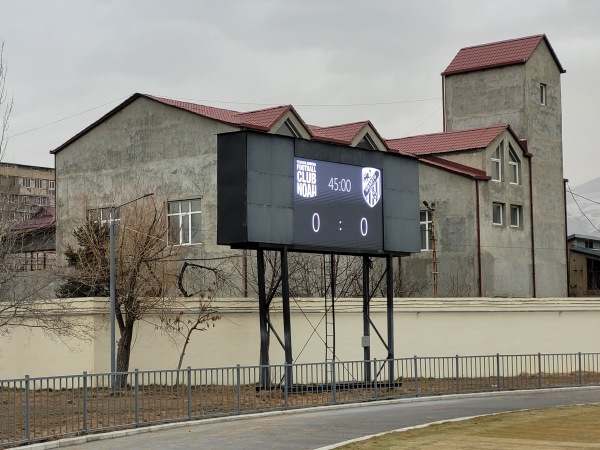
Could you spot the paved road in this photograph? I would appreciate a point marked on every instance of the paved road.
(312, 429)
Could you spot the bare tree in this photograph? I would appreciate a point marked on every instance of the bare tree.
(183, 320)
(6, 104)
(145, 268)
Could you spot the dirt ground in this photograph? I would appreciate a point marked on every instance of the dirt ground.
(549, 428)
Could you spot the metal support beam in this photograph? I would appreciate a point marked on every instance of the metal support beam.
(366, 319)
(263, 313)
(390, 316)
(287, 323)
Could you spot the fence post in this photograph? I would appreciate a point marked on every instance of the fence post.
(457, 375)
(375, 377)
(85, 401)
(189, 391)
(137, 398)
(416, 375)
(333, 387)
(540, 369)
(498, 371)
(580, 371)
(27, 411)
(287, 370)
(239, 389)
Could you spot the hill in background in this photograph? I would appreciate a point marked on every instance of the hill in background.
(583, 209)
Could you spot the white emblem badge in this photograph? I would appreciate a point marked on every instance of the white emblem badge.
(371, 185)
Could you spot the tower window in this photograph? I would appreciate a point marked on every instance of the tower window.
(543, 90)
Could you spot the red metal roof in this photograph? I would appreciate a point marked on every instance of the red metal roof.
(461, 169)
(46, 216)
(262, 119)
(340, 134)
(450, 141)
(497, 54)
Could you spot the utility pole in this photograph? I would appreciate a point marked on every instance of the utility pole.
(434, 270)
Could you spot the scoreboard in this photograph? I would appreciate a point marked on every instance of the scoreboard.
(277, 191)
(337, 205)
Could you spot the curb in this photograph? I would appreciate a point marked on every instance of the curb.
(68, 442)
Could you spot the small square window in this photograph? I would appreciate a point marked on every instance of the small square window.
(497, 213)
(543, 90)
(516, 216)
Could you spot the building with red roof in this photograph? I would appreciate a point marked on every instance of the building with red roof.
(489, 181)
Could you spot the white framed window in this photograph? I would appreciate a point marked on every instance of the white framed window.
(183, 217)
(498, 213)
(513, 166)
(543, 93)
(51, 185)
(26, 182)
(426, 235)
(497, 164)
(37, 183)
(104, 215)
(516, 216)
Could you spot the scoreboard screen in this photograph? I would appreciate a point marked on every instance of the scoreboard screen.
(337, 205)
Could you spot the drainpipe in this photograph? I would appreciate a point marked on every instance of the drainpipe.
(443, 103)
(565, 181)
(532, 227)
(479, 278)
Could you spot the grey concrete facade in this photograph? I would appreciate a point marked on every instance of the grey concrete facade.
(476, 257)
(146, 147)
(511, 94)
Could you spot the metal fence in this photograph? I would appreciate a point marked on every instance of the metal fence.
(49, 408)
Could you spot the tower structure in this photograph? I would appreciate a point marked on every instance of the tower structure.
(517, 82)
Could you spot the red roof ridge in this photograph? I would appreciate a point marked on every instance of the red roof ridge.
(498, 54)
(468, 130)
(540, 36)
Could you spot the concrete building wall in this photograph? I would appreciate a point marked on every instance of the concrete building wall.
(423, 327)
(145, 147)
(512, 95)
(455, 232)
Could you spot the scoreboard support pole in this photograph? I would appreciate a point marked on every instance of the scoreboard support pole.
(263, 313)
(287, 323)
(390, 316)
(366, 319)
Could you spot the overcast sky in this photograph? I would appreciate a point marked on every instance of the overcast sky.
(69, 62)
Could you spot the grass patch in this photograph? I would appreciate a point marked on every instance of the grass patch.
(548, 428)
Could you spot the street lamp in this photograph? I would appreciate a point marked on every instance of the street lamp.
(113, 311)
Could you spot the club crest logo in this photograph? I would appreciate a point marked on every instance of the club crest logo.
(371, 185)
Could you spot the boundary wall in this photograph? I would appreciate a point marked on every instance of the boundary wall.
(422, 327)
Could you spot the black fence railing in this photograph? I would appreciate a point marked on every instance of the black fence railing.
(48, 408)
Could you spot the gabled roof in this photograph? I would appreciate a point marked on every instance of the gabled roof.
(342, 134)
(498, 54)
(260, 120)
(460, 169)
(449, 141)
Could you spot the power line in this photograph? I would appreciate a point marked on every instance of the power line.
(66, 118)
(581, 210)
(323, 105)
